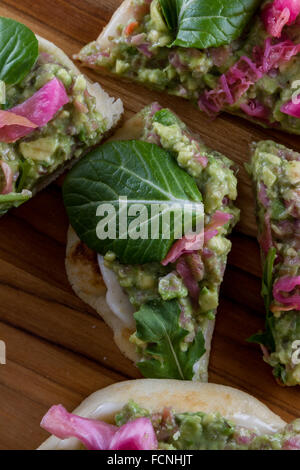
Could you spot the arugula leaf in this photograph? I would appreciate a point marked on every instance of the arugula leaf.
(207, 23)
(18, 52)
(142, 172)
(158, 325)
(280, 373)
(267, 281)
(267, 338)
(24, 168)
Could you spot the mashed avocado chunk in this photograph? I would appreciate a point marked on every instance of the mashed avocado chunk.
(77, 126)
(202, 431)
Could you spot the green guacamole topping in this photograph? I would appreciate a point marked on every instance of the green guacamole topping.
(217, 183)
(141, 51)
(76, 127)
(203, 431)
(276, 175)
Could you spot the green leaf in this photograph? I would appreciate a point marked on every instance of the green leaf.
(158, 325)
(144, 174)
(207, 23)
(267, 338)
(280, 373)
(165, 117)
(257, 338)
(267, 282)
(19, 51)
(24, 168)
(171, 10)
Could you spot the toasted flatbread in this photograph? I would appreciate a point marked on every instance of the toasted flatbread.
(181, 396)
(86, 279)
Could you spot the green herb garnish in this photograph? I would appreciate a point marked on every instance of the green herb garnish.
(158, 325)
(207, 23)
(19, 51)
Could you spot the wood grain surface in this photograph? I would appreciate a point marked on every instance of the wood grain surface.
(58, 349)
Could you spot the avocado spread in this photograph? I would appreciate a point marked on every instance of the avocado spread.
(276, 175)
(77, 126)
(202, 431)
(217, 183)
(142, 51)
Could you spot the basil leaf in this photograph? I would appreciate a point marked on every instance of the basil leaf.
(171, 10)
(145, 174)
(18, 52)
(158, 325)
(207, 23)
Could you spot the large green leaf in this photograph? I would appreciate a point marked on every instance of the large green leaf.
(144, 174)
(207, 23)
(18, 51)
(157, 324)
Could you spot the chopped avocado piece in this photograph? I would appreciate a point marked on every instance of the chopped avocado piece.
(268, 177)
(293, 172)
(278, 209)
(121, 66)
(40, 149)
(172, 287)
(208, 299)
(219, 245)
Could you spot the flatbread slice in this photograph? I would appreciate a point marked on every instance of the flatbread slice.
(275, 171)
(255, 76)
(179, 396)
(32, 151)
(99, 286)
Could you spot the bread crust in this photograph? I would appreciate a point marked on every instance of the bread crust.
(181, 396)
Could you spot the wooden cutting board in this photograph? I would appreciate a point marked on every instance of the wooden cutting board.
(58, 349)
